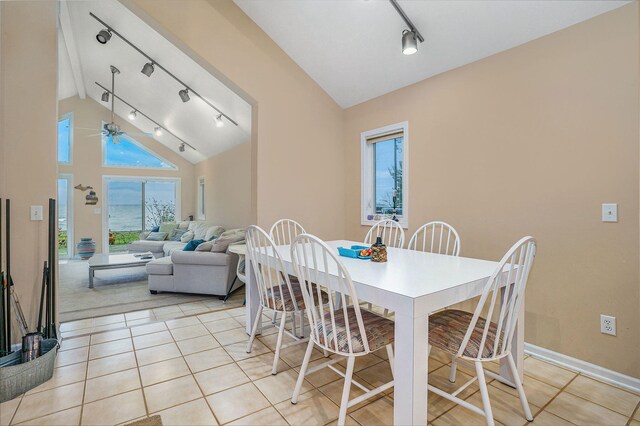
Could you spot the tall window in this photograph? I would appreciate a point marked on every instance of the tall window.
(201, 205)
(65, 139)
(130, 153)
(384, 174)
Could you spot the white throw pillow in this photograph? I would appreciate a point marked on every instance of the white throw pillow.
(200, 230)
(204, 247)
(186, 237)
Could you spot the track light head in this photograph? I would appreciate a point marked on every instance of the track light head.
(132, 115)
(219, 122)
(103, 36)
(409, 42)
(184, 95)
(105, 96)
(158, 131)
(148, 69)
(181, 148)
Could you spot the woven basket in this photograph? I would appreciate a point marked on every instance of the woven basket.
(17, 378)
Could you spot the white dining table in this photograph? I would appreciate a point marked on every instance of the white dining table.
(412, 284)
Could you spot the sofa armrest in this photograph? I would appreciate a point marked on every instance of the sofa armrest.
(143, 235)
(200, 258)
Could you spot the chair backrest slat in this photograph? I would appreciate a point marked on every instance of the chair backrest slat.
(391, 232)
(436, 237)
(284, 231)
(506, 288)
(271, 277)
(323, 275)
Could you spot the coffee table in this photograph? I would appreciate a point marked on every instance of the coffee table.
(116, 261)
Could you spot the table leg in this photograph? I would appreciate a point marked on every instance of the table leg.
(91, 274)
(252, 298)
(517, 350)
(410, 379)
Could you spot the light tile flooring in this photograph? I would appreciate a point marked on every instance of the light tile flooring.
(194, 370)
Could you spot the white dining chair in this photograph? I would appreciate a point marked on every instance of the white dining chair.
(391, 232)
(477, 339)
(284, 231)
(436, 237)
(276, 291)
(336, 325)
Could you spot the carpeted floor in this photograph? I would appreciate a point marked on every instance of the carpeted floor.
(115, 291)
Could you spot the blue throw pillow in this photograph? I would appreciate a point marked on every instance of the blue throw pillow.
(155, 229)
(191, 245)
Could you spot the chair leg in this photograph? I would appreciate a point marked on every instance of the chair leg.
(303, 372)
(301, 334)
(452, 372)
(346, 390)
(254, 329)
(275, 317)
(276, 357)
(390, 356)
(520, 388)
(484, 392)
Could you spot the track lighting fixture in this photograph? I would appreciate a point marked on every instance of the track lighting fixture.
(132, 115)
(148, 69)
(158, 131)
(219, 122)
(103, 36)
(105, 97)
(184, 95)
(409, 42)
(181, 148)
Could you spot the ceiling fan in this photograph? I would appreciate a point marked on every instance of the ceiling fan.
(112, 130)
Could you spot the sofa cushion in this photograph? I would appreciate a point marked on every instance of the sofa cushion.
(206, 246)
(176, 235)
(228, 237)
(213, 232)
(157, 236)
(187, 236)
(171, 246)
(146, 245)
(199, 230)
(184, 225)
(161, 266)
(200, 258)
(191, 245)
(168, 227)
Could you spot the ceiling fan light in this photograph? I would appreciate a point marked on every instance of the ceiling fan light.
(184, 95)
(103, 36)
(219, 122)
(409, 42)
(158, 131)
(132, 115)
(105, 96)
(148, 69)
(181, 148)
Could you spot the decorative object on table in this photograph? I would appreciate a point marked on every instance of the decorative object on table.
(355, 252)
(86, 248)
(91, 199)
(379, 251)
(82, 188)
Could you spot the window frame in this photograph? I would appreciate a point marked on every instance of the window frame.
(104, 142)
(367, 182)
(68, 115)
(201, 213)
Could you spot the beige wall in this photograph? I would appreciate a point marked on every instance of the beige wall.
(28, 82)
(532, 141)
(297, 132)
(87, 166)
(227, 187)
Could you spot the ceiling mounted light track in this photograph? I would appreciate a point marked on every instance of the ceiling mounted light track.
(158, 130)
(150, 67)
(411, 36)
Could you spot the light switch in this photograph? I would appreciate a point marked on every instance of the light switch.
(609, 212)
(36, 213)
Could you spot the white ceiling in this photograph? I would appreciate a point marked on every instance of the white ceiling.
(352, 49)
(156, 96)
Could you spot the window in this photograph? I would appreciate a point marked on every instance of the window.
(384, 174)
(130, 153)
(65, 139)
(201, 205)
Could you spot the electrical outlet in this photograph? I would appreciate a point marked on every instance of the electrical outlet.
(608, 325)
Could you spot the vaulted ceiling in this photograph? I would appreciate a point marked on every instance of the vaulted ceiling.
(83, 61)
(352, 49)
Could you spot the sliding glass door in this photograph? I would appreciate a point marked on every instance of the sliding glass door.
(134, 205)
(65, 216)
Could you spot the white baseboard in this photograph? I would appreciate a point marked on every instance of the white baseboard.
(586, 368)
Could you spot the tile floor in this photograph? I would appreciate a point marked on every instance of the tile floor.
(194, 370)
